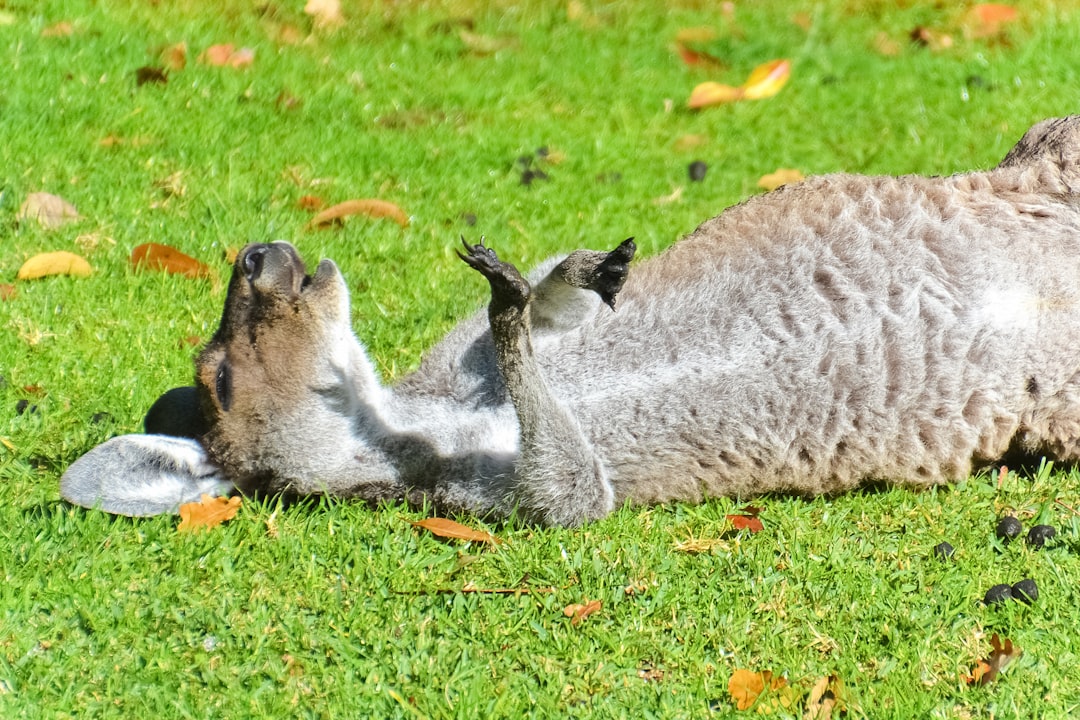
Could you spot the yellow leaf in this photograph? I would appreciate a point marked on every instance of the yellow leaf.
(450, 529)
(767, 79)
(712, 93)
(208, 512)
(782, 176)
(371, 208)
(325, 13)
(60, 262)
(49, 210)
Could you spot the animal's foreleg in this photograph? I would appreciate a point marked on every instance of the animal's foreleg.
(559, 479)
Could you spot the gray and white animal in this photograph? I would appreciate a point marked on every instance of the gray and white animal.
(840, 330)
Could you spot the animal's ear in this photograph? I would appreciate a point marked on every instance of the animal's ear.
(141, 475)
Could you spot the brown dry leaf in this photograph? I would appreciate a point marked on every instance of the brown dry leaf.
(154, 256)
(986, 671)
(988, 19)
(781, 176)
(697, 58)
(325, 13)
(579, 611)
(57, 30)
(8, 292)
(371, 208)
(51, 211)
(208, 512)
(745, 522)
(60, 262)
(174, 57)
(442, 527)
(310, 203)
(825, 697)
(227, 55)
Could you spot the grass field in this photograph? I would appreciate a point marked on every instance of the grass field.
(330, 609)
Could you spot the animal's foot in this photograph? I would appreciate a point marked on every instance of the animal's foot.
(507, 284)
(610, 274)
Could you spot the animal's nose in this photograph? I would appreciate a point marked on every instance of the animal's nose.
(253, 262)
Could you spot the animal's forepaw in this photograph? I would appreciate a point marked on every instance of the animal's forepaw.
(507, 284)
(611, 273)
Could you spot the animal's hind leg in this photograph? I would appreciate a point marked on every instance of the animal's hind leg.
(564, 297)
(559, 479)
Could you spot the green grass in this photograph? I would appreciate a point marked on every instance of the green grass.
(337, 610)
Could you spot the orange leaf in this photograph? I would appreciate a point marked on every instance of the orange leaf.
(767, 79)
(694, 58)
(310, 202)
(987, 670)
(174, 57)
(745, 522)
(450, 529)
(60, 262)
(154, 256)
(208, 512)
(987, 19)
(712, 93)
(7, 292)
(371, 208)
(782, 176)
(51, 211)
(579, 611)
(745, 686)
(226, 54)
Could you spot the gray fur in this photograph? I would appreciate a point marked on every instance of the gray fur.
(840, 330)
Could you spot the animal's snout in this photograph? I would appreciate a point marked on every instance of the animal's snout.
(272, 268)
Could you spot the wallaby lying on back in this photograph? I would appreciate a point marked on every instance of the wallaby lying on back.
(843, 329)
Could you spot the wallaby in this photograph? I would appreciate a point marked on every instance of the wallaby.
(835, 331)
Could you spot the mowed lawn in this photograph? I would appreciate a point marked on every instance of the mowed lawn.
(544, 127)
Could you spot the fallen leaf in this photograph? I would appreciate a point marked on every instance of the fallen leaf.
(764, 81)
(174, 57)
(746, 685)
(310, 203)
(51, 211)
(579, 611)
(825, 697)
(57, 30)
(325, 13)
(227, 55)
(650, 673)
(713, 93)
(697, 58)
(231, 254)
(371, 208)
(442, 527)
(154, 256)
(208, 512)
(60, 262)
(988, 19)
(781, 176)
(674, 197)
(8, 292)
(767, 79)
(987, 670)
(745, 522)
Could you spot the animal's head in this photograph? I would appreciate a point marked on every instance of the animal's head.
(277, 392)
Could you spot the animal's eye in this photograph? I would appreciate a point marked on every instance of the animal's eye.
(223, 385)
